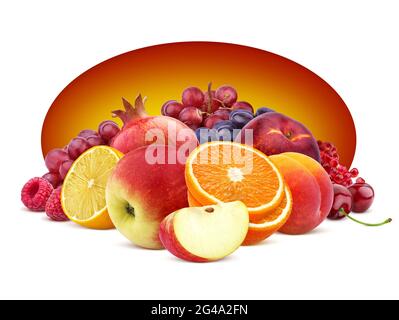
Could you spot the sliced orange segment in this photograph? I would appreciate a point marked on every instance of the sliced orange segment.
(228, 171)
(260, 229)
(192, 202)
(83, 190)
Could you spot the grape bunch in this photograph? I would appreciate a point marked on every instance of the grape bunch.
(58, 161)
(329, 159)
(213, 114)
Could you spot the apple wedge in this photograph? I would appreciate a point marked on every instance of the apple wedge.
(208, 233)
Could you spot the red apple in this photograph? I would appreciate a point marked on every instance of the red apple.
(146, 185)
(275, 133)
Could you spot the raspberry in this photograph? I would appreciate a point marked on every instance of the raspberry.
(53, 206)
(35, 193)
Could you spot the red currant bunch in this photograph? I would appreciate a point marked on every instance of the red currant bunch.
(330, 161)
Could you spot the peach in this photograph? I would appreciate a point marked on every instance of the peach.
(311, 189)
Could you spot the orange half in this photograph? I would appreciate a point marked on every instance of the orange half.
(227, 171)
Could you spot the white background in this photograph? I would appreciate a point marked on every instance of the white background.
(46, 44)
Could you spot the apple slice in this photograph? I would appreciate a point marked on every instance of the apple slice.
(208, 233)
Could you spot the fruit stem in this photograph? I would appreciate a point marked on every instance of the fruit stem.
(210, 97)
(130, 209)
(342, 211)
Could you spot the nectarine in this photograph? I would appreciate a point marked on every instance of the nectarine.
(275, 133)
(311, 190)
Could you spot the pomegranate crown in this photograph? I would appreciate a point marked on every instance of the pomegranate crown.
(131, 112)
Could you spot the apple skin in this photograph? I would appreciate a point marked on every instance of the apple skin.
(152, 190)
(275, 133)
(233, 214)
(169, 240)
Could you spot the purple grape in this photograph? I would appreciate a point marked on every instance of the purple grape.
(95, 140)
(87, 133)
(108, 129)
(64, 168)
(172, 109)
(243, 105)
(193, 97)
(77, 146)
(54, 158)
(227, 95)
(53, 178)
(191, 116)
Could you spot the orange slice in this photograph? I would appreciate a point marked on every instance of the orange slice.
(83, 190)
(260, 229)
(227, 171)
(192, 202)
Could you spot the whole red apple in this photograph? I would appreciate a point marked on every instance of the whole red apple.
(275, 133)
(141, 192)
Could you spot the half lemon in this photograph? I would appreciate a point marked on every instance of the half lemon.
(83, 190)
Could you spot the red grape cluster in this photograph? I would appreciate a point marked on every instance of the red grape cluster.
(212, 114)
(58, 161)
(338, 173)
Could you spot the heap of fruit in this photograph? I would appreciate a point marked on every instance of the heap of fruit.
(44, 193)
(231, 178)
(212, 114)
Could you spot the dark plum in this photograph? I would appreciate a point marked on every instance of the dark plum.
(262, 111)
(226, 130)
(206, 135)
(240, 117)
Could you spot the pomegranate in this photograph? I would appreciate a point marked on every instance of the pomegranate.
(140, 129)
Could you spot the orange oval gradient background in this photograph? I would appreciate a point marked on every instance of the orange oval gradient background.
(162, 72)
